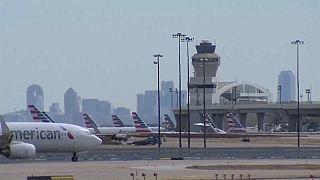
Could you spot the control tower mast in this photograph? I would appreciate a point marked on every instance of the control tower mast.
(206, 53)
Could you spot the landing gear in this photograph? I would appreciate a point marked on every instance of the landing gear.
(74, 157)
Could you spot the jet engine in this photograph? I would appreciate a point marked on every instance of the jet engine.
(19, 151)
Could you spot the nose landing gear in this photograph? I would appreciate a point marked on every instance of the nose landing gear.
(74, 157)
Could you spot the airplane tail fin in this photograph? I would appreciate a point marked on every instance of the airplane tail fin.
(234, 125)
(47, 116)
(168, 123)
(139, 124)
(89, 122)
(116, 121)
(209, 120)
(37, 115)
(5, 133)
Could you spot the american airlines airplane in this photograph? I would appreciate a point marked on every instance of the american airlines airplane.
(141, 126)
(92, 127)
(24, 139)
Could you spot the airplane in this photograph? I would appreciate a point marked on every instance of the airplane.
(116, 121)
(141, 126)
(210, 125)
(234, 125)
(20, 140)
(118, 132)
(168, 123)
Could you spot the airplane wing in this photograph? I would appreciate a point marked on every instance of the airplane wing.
(201, 124)
(5, 134)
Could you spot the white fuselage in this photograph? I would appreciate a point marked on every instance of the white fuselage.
(54, 137)
(114, 130)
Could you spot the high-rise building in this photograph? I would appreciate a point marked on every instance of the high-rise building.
(54, 108)
(35, 96)
(124, 114)
(150, 106)
(71, 102)
(99, 110)
(140, 103)
(286, 80)
(166, 86)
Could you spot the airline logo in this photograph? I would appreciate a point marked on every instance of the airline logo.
(37, 115)
(234, 125)
(41, 134)
(139, 124)
(116, 121)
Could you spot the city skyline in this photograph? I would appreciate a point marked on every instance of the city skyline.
(104, 49)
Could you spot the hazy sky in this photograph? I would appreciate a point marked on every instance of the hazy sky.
(103, 49)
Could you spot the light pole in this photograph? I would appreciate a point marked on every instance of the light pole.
(279, 91)
(235, 95)
(157, 62)
(179, 35)
(187, 40)
(204, 103)
(177, 98)
(170, 90)
(308, 91)
(297, 43)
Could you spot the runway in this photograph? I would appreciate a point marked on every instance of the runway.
(119, 161)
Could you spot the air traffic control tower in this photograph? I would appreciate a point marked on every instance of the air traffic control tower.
(205, 63)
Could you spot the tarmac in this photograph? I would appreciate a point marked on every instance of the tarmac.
(164, 169)
(173, 169)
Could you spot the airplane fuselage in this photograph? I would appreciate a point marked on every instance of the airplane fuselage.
(54, 137)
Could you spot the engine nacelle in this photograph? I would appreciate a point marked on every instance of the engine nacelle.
(19, 151)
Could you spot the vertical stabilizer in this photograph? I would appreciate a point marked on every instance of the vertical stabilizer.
(89, 122)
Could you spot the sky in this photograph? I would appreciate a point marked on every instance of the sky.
(104, 48)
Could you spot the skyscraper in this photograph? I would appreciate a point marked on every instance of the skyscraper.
(71, 102)
(165, 92)
(35, 96)
(99, 110)
(286, 80)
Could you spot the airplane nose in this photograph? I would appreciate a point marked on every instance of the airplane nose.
(97, 140)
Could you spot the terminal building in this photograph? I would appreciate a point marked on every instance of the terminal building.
(242, 98)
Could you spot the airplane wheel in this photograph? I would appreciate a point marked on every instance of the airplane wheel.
(74, 157)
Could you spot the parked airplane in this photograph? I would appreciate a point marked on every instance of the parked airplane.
(141, 126)
(116, 121)
(168, 123)
(210, 125)
(92, 126)
(234, 125)
(24, 139)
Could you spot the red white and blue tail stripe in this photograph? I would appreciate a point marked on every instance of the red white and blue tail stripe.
(89, 123)
(139, 124)
(116, 121)
(167, 122)
(209, 120)
(37, 115)
(234, 126)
